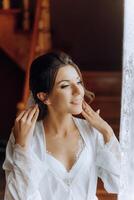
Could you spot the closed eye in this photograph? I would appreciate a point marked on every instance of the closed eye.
(79, 82)
(64, 86)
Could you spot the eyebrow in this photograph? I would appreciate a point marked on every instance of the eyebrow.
(66, 80)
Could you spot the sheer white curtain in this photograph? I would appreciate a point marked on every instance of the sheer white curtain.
(127, 109)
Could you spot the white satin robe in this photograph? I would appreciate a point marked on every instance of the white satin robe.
(36, 175)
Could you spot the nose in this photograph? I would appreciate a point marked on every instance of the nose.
(76, 89)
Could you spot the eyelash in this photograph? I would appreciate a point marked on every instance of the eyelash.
(64, 86)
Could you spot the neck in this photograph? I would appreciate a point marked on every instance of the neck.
(59, 126)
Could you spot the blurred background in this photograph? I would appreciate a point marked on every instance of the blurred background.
(91, 31)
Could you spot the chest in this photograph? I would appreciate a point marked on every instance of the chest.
(65, 149)
(76, 179)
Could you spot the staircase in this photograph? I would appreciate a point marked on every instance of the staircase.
(14, 42)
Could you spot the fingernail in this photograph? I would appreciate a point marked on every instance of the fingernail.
(98, 111)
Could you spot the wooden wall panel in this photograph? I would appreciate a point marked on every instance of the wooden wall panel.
(91, 31)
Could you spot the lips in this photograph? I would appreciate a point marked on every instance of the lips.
(76, 102)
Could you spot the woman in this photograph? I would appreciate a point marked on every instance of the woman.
(52, 155)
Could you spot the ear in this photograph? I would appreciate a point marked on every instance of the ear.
(43, 97)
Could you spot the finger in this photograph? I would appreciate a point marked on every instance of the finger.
(87, 106)
(32, 113)
(20, 115)
(26, 113)
(98, 111)
(83, 105)
(35, 116)
(86, 116)
(87, 109)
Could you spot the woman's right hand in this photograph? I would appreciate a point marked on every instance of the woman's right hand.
(24, 126)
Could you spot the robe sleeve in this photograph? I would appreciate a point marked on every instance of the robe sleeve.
(108, 160)
(22, 171)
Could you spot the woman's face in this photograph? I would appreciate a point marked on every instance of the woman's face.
(68, 92)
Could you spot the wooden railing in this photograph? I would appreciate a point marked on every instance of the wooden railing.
(41, 41)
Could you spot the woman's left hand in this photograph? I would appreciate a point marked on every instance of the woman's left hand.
(96, 121)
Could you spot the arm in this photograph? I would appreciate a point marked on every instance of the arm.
(108, 154)
(108, 159)
(20, 168)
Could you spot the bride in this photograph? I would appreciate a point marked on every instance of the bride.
(52, 154)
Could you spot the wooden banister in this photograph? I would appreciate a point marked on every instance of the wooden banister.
(36, 44)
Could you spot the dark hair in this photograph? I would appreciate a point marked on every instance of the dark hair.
(43, 72)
